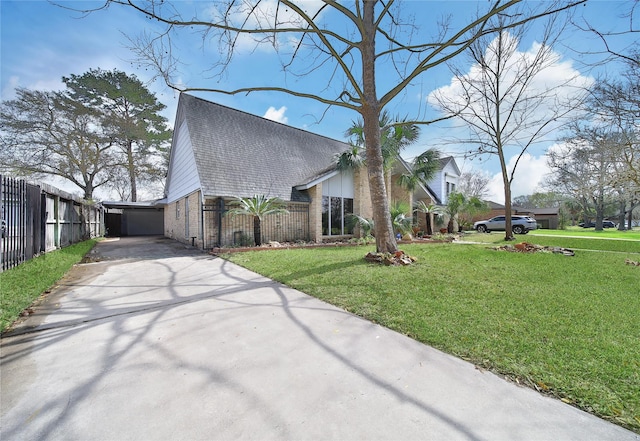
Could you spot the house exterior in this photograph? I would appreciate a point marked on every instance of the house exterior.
(547, 218)
(219, 154)
(446, 180)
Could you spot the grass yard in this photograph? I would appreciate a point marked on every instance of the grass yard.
(21, 285)
(567, 326)
(624, 242)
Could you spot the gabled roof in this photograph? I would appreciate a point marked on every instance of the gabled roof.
(447, 160)
(239, 154)
(402, 166)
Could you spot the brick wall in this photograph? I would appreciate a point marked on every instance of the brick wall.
(182, 220)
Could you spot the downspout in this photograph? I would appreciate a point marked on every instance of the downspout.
(201, 229)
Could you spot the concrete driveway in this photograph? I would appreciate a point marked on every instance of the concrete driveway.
(158, 341)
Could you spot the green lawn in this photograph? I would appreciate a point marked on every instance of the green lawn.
(607, 233)
(617, 240)
(21, 285)
(567, 326)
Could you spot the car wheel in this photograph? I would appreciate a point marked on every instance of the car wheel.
(481, 229)
(518, 229)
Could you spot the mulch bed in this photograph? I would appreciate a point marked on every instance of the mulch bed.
(288, 245)
(390, 259)
(525, 247)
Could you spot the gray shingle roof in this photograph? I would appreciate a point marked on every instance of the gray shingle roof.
(239, 154)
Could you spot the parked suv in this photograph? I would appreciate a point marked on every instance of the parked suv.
(605, 224)
(519, 224)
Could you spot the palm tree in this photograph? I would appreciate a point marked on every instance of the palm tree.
(458, 203)
(258, 207)
(429, 210)
(401, 222)
(394, 137)
(351, 159)
(423, 168)
(365, 223)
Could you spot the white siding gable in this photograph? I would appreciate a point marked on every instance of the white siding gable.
(445, 181)
(340, 185)
(184, 177)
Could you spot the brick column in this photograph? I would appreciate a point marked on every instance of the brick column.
(315, 214)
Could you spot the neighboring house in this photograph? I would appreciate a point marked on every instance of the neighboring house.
(446, 181)
(546, 218)
(219, 154)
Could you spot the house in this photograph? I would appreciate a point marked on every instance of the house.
(546, 218)
(219, 154)
(446, 180)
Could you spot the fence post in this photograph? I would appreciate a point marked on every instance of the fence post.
(56, 221)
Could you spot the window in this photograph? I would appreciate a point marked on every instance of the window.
(335, 219)
(177, 209)
(337, 204)
(451, 187)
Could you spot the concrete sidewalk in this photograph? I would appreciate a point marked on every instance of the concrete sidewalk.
(157, 341)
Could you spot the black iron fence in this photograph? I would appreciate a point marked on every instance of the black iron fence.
(224, 230)
(41, 218)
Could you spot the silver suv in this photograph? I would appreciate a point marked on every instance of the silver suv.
(519, 224)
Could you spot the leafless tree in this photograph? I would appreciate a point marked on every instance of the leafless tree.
(506, 98)
(47, 133)
(617, 43)
(350, 41)
(586, 168)
(474, 183)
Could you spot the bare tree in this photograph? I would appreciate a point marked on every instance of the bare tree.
(47, 133)
(348, 41)
(585, 168)
(615, 41)
(505, 99)
(474, 183)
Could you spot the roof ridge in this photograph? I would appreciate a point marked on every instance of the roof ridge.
(261, 117)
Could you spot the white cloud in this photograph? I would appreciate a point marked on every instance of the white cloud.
(530, 175)
(559, 80)
(263, 16)
(276, 114)
(8, 90)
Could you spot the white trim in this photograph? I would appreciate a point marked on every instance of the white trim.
(317, 181)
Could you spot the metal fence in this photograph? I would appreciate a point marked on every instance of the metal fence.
(41, 218)
(223, 230)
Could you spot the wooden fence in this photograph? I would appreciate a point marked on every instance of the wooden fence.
(41, 218)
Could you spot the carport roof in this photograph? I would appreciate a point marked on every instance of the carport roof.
(159, 203)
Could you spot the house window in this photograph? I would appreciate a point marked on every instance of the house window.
(177, 209)
(335, 219)
(337, 204)
(451, 187)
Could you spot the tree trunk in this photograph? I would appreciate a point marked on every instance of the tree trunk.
(429, 225)
(599, 211)
(370, 110)
(88, 192)
(132, 171)
(623, 206)
(451, 225)
(508, 231)
(257, 234)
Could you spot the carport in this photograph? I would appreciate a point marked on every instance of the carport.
(134, 218)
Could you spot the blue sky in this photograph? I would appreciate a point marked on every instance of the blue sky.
(41, 42)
